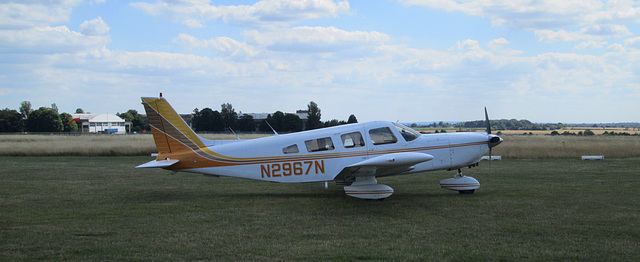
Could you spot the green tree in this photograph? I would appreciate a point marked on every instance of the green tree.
(25, 109)
(217, 121)
(588, 132)
(67, 124)
(277, 121)
(314, 116)
(332, 122)
(203, 120)
(11, 121)
(246, 123)
(44, 120)
(291, 123)
(79, 111)
(138, 123)
(194, 119)
(264, 125)
(352, 119)
(229, 116)
(208, 120)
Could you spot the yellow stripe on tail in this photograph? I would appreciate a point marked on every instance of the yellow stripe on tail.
(170, 133)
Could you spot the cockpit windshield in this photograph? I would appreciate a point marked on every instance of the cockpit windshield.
(407, 133)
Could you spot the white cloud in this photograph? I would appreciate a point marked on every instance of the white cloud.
(633, 42)
(316, 40)
(550, 36)
(94, 27)
(606, 30)
(27, 14)
(46, 40)
(593, 32)
(540, 15)
(499, 46)
(224, 45)
(590, 44)
(267, 13)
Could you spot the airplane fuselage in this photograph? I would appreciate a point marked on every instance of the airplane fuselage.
(268, 159)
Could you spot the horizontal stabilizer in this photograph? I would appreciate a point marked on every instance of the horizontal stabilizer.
(156, 163)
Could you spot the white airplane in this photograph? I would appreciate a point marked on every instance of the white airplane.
(351, 155)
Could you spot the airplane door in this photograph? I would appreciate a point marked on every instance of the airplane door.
(381, 139)
(355, 141)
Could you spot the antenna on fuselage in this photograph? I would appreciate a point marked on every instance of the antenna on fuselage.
(234, 133)
(274, 131)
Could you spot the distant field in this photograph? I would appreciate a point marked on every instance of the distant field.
(518, 146)
(595, 130)
(102, 209)
(515, 146)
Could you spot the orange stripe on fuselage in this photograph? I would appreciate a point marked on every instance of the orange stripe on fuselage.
(199, 158)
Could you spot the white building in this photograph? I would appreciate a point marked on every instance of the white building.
(100, 123)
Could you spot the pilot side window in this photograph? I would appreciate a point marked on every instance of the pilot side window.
(292, 149)
(381, 136)
(320, 144)
(407, 133)
(352, 140)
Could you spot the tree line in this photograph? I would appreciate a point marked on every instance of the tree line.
(210, 120)
(43, 119)
(499, 124)
(510, 124)
(49, 119)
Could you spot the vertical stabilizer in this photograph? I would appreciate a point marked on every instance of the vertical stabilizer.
(170, 133)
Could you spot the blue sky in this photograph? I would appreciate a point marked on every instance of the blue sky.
(407, 60)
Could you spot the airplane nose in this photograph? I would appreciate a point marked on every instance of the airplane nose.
(494, 140)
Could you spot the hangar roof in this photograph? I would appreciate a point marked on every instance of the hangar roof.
(98, 118)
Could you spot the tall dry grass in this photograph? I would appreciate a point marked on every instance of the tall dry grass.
(519, 146)
(85, 145)
(514, 146)
(88, 145)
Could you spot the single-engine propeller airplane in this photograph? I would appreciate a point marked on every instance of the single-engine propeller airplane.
(351, 155)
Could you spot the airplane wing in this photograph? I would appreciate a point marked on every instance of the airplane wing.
(384, 165)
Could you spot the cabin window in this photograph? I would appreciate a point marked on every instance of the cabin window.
(292, 149)
(352, 140)
(407, 133)
(320, 144)
(381, 136)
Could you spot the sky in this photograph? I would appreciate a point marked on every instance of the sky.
(547, 61)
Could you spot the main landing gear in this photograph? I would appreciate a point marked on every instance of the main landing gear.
(368, 188)
(461, 183)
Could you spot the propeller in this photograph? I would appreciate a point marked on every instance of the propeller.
(493, 139)
(486, 117)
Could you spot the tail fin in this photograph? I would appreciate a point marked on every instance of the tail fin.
(170, 133)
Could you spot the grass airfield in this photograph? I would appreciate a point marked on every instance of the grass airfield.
(101, 208)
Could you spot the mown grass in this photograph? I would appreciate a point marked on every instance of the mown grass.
(100, 208)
